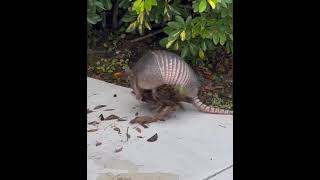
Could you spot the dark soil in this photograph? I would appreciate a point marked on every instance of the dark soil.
(114, 53)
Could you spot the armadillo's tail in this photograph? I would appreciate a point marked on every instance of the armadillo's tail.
(204, 108)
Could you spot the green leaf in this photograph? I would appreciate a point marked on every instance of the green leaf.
(188, 21)
(94, 19)
(224, 13)
(165, 10)
(99, 4)
(230, 11)
(138, 6)
(215, 38)
(163, 42)
(188, 35)
(222, 38)
(141, 18)
(184, 52)
(183, 35)
(203, 34)
(180, 20)
(168, 30)
(176, 45)
(208, 34)
(107, 4)
(174, 25)
(147, 25)
(172, 38)
(212, 3)
(153, 2)
(209, 44)
(174, 10)
(195, 6)
(203, 45)
(91, 21)
(231, 36)
(175, 33)
(201, 54)
(223, 3)
(132, 26)
(149, 3)
(193, 49)
(170, 43)
(124, 4)
(129, 18)
(202, 5)
(193, 34)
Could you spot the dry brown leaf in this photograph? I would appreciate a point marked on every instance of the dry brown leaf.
(118, 150)
(138, 129)
(111, 117)
(127, 134)
(122, 119)
(117, 129)
(93, 123)
(101, 117)
(92, 130)
(153, 138)
(99, 106)
(143, 125)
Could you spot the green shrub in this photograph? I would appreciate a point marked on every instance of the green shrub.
(192, 28)
(94, 9)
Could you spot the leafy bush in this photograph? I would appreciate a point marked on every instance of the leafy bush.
(194, 36)
(192, 28)
(94, 9)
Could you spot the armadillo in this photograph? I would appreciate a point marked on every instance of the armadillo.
(160, 67)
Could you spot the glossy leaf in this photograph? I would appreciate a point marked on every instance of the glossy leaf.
(202, 5)
(183, 35)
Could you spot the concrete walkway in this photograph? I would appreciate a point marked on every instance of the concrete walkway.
(190, 146)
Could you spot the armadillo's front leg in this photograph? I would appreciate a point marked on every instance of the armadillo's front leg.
(137, 92)
(154, 94)
(143, 120)
(165, 112)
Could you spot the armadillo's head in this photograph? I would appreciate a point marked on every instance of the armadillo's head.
(133, 83)
(129, 75)
(126, 74)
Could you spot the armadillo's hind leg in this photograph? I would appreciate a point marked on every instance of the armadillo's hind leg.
(181, 106)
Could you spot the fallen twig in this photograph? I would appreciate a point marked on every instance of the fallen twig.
(146, 36)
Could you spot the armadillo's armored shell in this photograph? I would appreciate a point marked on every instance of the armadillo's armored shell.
(156, 68)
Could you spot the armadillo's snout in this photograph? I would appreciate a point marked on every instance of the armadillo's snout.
(136, 95)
